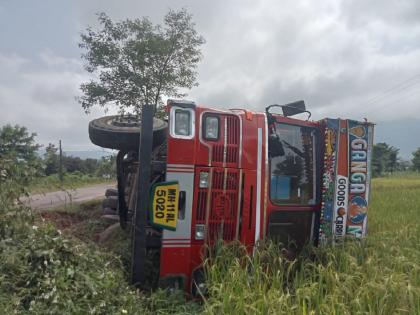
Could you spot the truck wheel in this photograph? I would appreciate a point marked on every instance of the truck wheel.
(123, 132)
(111, 192)
(110, 202)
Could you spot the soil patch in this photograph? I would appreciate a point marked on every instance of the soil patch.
(83, 221)
(62, 220)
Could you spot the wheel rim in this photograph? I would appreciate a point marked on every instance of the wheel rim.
(124, 121)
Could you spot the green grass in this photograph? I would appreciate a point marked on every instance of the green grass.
(70, 181)
(84, 222)
(379, 275)
(48, 272)
(45, 270)
(402, 175)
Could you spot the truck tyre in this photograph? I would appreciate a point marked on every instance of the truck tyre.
(111, 192)
(110, 202)
(123, 132)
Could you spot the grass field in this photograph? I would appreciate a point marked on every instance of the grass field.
(70, 181)
(379, 275)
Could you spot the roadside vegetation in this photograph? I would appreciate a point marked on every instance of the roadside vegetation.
(44, 172)
(70, 181)
(46, 271)
(59, 266)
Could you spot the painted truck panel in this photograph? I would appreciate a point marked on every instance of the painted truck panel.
(346, 179)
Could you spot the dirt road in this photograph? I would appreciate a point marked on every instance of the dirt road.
(58, 198)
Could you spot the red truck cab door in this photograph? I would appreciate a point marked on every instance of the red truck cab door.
(294, 180)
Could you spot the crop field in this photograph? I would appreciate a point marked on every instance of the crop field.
(379, 275)
(43, 271)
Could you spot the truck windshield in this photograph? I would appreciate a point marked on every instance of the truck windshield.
(292, 169)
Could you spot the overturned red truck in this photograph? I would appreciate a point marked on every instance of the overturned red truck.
(238, 175)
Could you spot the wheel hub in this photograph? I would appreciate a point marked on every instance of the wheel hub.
(126, 121)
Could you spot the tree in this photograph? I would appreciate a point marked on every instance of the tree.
(73, 164)
(384, 159)
(17, 143)
(51, 159)
(416, 160)
(19, 161)
(391, 161)
(404, 165)
(107, 167)
(90, 166)
(136, 62)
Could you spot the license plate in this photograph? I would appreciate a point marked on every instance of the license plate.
(165, 205)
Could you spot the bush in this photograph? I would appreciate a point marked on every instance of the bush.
(43, 272)
(46, 273)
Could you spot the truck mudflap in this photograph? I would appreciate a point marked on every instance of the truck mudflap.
(346, 179)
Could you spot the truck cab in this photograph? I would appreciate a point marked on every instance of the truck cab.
(238, 175)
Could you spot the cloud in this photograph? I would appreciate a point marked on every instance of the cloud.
(337, 55)
(344, 58)
(280, 52)
(41, 96)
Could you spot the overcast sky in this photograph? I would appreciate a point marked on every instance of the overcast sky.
(354, 59)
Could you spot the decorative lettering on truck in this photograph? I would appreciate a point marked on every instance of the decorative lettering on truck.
(360, 143)
(346, 179)
(340, 211)
(341, 183)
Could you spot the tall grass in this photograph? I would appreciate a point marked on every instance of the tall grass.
(44, 272)
(378, 275)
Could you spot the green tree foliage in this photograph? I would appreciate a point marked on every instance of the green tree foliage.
(416, 160)
(107, 167)
(136, 62)
(73, 164)
(90, 165)
(18, 158)
(403, 165)
(384, 159)
(51, 160)
(17, 143)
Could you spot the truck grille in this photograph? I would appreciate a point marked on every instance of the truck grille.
(226, 150)
(223, 205)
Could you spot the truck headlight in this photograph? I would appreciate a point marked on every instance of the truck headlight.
(204, 180)
(211, 128)
(199, 231)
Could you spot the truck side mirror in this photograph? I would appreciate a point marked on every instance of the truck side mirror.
(275, 147)
(289, 109)
(294, 108)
